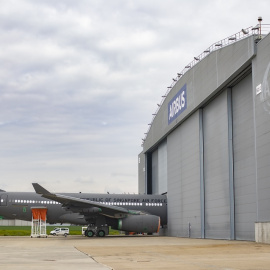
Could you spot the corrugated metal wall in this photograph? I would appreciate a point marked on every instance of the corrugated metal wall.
(184, 179)
(261, 76)
(184, 171)
(244, 160)
(216, 168)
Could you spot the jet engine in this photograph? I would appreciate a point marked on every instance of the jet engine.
(140, 224)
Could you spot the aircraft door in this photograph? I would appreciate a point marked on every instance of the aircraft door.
(3, 200)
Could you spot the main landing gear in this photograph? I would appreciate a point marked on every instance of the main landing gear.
(98, 231)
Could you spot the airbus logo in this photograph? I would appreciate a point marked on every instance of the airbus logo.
(177, 104)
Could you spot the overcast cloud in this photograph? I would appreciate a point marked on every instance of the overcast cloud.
(79, 81)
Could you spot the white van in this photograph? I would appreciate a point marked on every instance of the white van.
(60, 231)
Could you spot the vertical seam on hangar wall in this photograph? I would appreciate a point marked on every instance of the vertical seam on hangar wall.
(202, 192)
(230, 156)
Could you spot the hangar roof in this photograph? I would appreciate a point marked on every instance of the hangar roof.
(208, 73)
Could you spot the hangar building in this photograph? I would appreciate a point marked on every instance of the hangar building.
(208, 145)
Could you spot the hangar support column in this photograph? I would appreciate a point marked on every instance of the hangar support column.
(230, 156)
(202, 193)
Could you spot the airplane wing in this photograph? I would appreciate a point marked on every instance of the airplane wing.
(81, 205)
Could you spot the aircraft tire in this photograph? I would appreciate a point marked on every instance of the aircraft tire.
(89, 233)
(101, 233)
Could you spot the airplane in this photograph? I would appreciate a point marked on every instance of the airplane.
(124, 212)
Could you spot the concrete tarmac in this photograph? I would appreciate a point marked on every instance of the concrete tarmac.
(25, 253)
(131, 252)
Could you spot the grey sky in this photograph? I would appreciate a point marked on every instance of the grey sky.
(79, 81)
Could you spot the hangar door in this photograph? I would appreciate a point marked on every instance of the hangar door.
(216, 168)
(184, 211)
(244, 160)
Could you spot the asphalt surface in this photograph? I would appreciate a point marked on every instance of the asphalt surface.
(131, 252)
